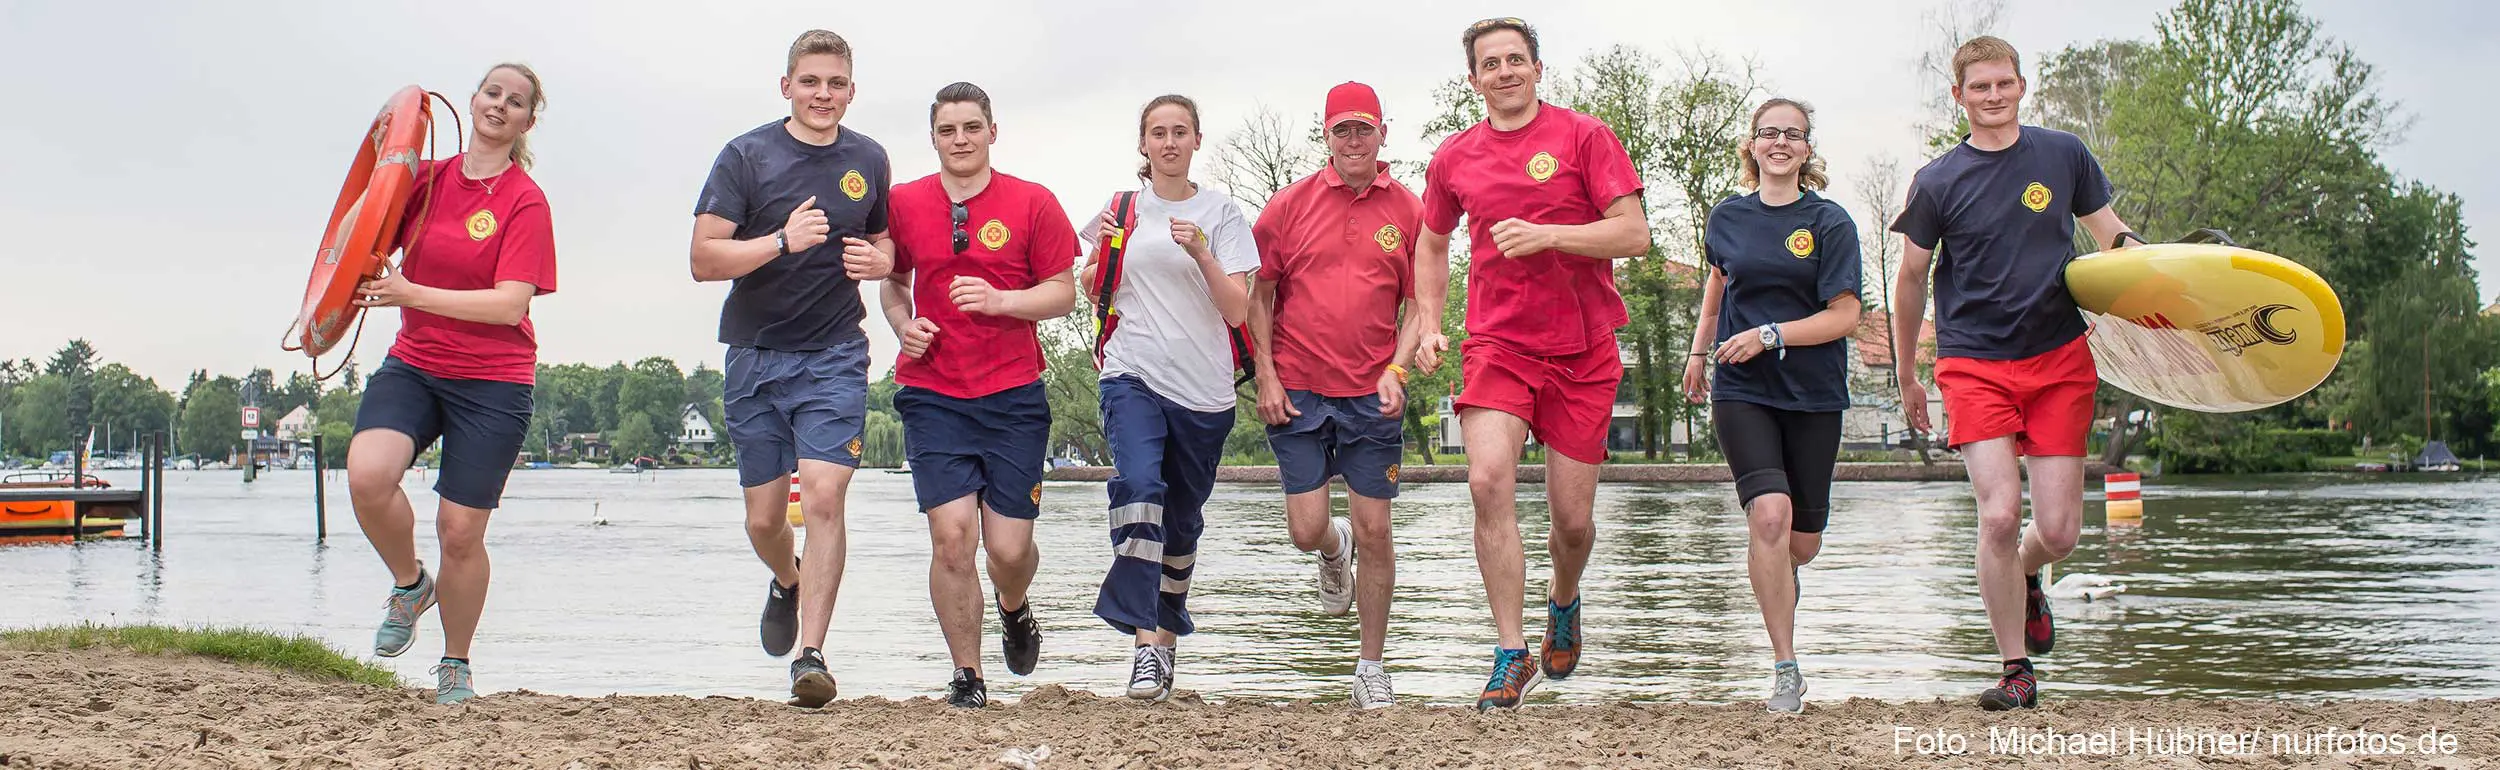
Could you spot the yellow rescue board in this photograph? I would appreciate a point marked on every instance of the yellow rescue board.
(2208, 326)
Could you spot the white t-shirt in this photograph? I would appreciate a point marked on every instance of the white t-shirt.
(1170, 334)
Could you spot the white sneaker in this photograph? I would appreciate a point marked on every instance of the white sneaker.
(1150, 675)
(1336, 576)
(1371, 689)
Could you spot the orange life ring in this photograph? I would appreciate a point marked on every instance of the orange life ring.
(364, 224)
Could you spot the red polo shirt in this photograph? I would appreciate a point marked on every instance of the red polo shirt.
(1342, 259)
(1562, 168)
(1017, 236)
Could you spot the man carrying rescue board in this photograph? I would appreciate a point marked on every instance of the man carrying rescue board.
(2016, 372)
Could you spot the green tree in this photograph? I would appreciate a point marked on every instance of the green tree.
(39, 418)
(1073, 387)
(212, 416)
(335, 420)
(655, 389)
(124, 402)
(881, 441)
(636, 438)
(75, 365)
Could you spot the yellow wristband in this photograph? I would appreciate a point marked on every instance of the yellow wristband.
(1400, 371)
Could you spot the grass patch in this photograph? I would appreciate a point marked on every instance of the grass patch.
(291, 653)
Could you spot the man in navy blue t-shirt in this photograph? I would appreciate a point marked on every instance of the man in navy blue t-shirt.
(794, 217)
(1998, 214)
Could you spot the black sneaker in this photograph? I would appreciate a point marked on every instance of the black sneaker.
(811, 686)
(1022, 640)
(967, 691)
(780, 626)
(2039, 630)
(2018, 689)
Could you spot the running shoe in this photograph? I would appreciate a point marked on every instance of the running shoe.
(1336, 576)
(2039, 630)
(1371, 689)
(2017, 689)
(1150, 674)
(400, 613)
(1514, 674)
(781, 617)
(452, 682)
(811, 686)
(967, 691)
(1561, 652)
(1788, 689)
(1022, 638)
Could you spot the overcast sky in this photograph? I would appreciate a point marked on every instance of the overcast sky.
(168, 165)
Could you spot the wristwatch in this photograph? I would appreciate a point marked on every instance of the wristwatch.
(781, 240)
(1770, 334)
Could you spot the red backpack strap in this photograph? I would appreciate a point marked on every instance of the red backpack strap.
(1112, 256)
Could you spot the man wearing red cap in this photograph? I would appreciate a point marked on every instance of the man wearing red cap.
(1552, 200)
(1336, 256)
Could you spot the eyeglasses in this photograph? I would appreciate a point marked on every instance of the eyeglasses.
(1775, 132)
(1350, 130)
(963, 240)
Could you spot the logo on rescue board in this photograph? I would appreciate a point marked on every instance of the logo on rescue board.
(481, 225)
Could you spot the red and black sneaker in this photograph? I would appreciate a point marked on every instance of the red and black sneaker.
(2018, 689)
(2039, 630)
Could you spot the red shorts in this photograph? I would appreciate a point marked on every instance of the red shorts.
(2045, 401)
(1568, 401)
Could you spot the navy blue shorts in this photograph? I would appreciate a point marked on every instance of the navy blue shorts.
(1339, 437)
(480, 423)
(992, 445)
(784, 406)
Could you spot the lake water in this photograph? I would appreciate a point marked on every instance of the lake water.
(2293, 586)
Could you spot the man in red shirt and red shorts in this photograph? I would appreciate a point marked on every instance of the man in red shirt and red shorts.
(1552, 200)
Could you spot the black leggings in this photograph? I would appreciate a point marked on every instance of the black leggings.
(1777, 451)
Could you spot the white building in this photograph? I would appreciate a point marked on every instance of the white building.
(694, 433)
(296, 424)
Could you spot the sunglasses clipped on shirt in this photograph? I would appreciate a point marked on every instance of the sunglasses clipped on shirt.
(963, 239)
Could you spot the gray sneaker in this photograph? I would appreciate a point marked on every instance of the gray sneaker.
(452, 683)
(1372, 691)
(1336, 576)
(399, 617)
(811, 686)
(1788, 689)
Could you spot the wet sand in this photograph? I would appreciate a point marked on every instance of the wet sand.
(100, 709)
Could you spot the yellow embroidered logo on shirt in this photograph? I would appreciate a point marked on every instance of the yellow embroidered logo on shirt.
(2036, 197)
(854, 185)
(1801, 243)
(1388, 237)
(481, 225)
(1543, 166)
(994, 234)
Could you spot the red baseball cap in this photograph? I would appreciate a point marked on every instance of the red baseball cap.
(1353, 101)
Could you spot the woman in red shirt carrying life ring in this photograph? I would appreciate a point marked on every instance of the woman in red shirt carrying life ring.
(479, 246)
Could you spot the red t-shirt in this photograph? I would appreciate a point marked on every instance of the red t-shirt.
(1342, 259)
(475, 233)
(1560, 169)
(1017, 236)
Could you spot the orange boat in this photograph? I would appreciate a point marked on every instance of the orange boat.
(40, 504)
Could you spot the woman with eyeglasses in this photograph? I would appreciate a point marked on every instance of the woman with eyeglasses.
(993, 254)
(1781, 298)
(1180, 282)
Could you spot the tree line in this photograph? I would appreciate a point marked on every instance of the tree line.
(2238, 115)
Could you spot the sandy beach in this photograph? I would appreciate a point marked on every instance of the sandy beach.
(100, 709)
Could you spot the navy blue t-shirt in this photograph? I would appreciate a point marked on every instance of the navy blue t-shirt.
(2006, 224)
(802, 300)
(1783, 263)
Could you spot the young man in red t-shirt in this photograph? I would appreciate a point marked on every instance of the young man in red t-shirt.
(1552, 199)
(980, 256)
(1336, 260)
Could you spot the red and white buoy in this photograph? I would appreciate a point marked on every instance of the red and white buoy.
(2124, 495)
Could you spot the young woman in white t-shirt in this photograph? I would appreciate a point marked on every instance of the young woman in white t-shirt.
(1167, 381)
